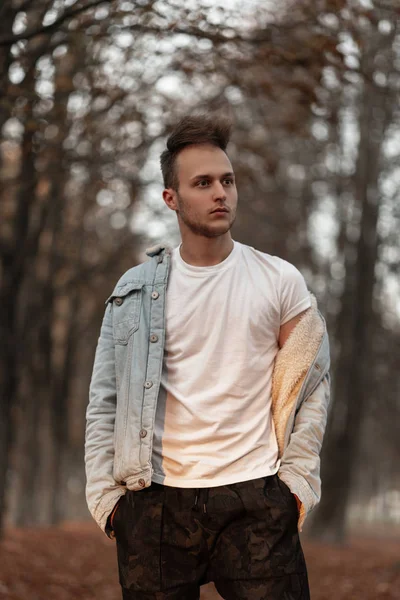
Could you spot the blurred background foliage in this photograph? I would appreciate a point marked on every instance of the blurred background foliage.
(89, 91)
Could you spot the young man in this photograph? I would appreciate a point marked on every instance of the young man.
(208, 400)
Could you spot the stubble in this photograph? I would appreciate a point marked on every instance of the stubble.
(196, 226)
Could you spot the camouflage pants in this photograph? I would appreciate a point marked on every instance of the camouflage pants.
(241, 536)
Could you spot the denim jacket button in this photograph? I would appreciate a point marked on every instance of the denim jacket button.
(142, 433)
(118, 301)
(141, 482)
(148, 384)
(154, 295)
(153, 337)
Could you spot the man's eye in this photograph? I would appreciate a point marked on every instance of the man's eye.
(201, 182)
(229, 181)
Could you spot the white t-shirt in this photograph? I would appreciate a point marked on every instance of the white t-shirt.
(213, 423)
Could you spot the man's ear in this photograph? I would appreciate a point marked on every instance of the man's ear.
(169, 197)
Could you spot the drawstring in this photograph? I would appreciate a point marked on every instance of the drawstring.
(195, 507)
(205, 501)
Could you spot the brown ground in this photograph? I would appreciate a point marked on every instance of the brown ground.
(78, 562)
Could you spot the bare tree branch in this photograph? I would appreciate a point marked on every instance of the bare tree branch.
(68, 14)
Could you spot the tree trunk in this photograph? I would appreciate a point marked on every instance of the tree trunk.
(354, 366)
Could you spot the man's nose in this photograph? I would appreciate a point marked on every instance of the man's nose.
(219, 191)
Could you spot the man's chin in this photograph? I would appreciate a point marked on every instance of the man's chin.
(217, 229)
(209, 230)
(213, 232)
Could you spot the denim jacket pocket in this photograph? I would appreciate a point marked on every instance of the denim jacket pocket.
(126, 306)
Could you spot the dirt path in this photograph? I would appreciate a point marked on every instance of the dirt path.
(77, 562)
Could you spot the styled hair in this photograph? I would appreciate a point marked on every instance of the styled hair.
(196, 129)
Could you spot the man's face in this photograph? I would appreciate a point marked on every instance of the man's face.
(206, 182)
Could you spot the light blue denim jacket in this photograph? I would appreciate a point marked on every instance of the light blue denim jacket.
(126, 380)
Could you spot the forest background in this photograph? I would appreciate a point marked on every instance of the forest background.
(88, 93)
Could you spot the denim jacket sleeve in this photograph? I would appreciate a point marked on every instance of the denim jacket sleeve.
(300, 462)
(102, 491)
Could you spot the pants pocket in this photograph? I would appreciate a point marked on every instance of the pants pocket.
(138, 536)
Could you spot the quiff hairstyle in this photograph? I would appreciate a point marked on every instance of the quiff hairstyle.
(191, 130)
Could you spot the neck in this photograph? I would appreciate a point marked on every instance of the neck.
(206, 252)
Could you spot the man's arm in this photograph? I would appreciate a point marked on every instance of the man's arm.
(284, 333)
(287, 328)
(300, 463)
(102, 491)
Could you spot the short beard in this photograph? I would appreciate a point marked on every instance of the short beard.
(196, 227)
